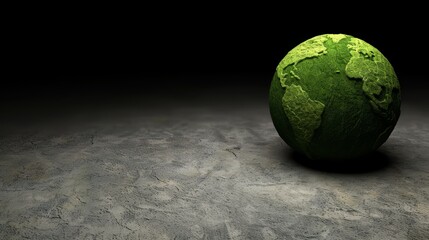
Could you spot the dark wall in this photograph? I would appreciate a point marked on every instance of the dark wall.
(71, 43)
(203, 45)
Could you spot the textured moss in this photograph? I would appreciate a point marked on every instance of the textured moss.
(334, 96)
(311, 48)
(378, 76)
(303, 113)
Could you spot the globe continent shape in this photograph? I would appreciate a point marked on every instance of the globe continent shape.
(334, 97)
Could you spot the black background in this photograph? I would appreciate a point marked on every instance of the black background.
(94, 48)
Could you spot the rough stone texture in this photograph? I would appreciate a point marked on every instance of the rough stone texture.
(199, 168)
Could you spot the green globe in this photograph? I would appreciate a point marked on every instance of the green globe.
(334, 97)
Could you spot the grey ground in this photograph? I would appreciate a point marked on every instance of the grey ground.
(199, 168)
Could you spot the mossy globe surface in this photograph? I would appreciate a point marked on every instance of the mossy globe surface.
(334, 97)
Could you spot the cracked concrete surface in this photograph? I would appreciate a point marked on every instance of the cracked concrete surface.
(206, 169)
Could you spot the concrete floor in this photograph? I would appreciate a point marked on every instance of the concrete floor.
(200, 167)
